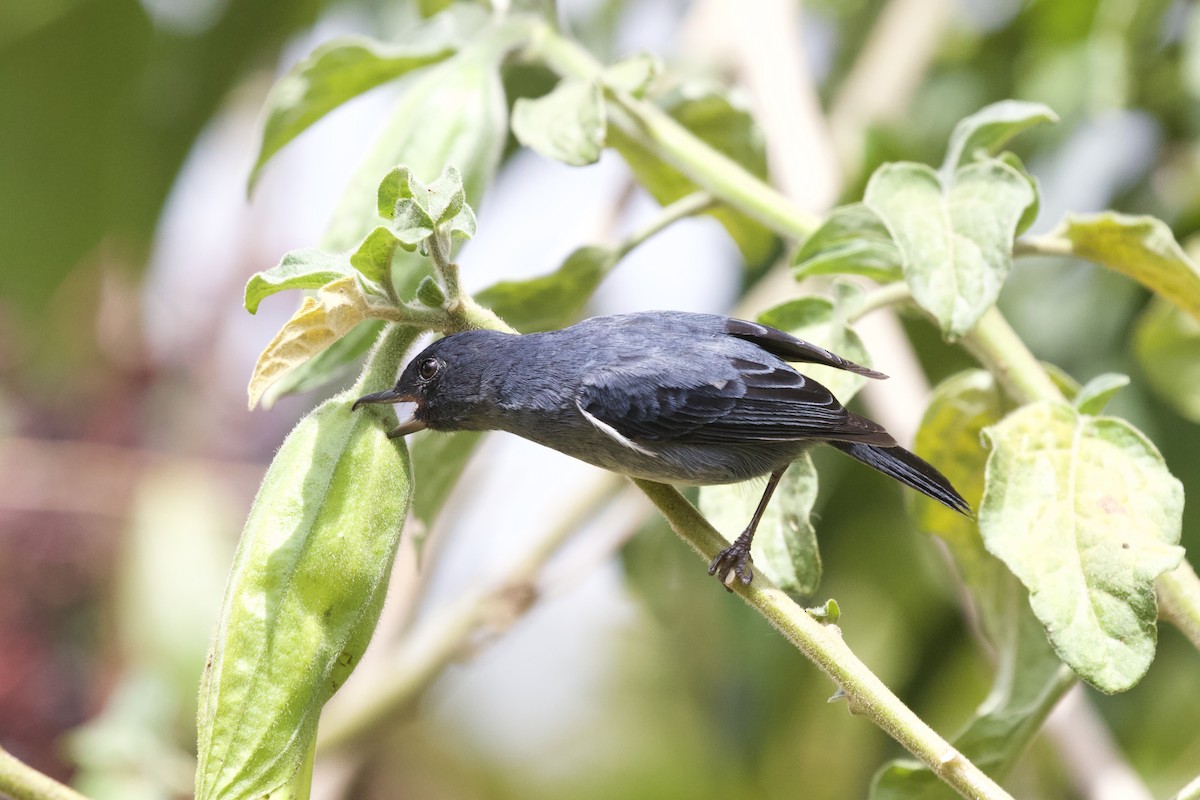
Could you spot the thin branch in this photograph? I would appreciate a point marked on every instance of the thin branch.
(22, 782)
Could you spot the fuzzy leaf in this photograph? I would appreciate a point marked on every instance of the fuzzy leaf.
(567, 125)
(955, 241)
(633, 74)
(299, 269)
(1085, 513)
(1093, 396)
(989, 129)
(851, 241)
(337, 362)
(322, 320)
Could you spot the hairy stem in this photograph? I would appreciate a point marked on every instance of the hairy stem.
(22, 782)
(823, 645)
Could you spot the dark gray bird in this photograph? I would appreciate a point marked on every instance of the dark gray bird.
(674, 397)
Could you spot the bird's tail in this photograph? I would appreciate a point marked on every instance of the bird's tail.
(909, 469)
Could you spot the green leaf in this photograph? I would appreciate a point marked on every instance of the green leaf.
(373, 258)
(1142, 248)
(1095, 394)
(1166, 342)
(785, 545)
(633, 74)
(1029, 678)
(816, 319)
(1084, 511)
(711, 114)
(949, 437)
(989, 129)
(299, 269)
(438, 462)
(551, 301)
(851, 241)
(955, 241)
(1031, 212)
(322, 320)
(567, 125)
(338, 362)
(333, 74)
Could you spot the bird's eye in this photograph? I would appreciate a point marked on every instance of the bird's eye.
(428, 368)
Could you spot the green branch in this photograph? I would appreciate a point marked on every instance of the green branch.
(824, 646)
(22, 782)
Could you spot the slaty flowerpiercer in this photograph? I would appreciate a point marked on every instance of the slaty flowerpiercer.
(669, 396)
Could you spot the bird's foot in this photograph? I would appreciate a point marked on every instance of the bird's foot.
(734, 561)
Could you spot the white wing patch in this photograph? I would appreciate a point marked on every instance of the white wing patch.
(611, 432)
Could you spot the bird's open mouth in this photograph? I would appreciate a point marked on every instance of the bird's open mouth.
(406, 414)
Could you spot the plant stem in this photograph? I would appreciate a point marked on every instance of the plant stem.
(1179, 599)
(22, 782)
(823, 645)
(887, 295)
(655, 130)
(686, 206)
(1005, 355)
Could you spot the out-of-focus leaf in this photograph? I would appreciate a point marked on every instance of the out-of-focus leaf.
(1031, 211)
(438, 462)
(785, 544)
(1029, 677)
(336, 362)
(299, 269)
(1095, 394)
(567, 125)
(989, 129)
(949, 437)
(551, 301)
(633, 74)
(320, 321)
(816, 319)
(1142, 248)
(336, 72)
(851, 241)
(955, 241)
(711, 114)
(1084, 511)
(1167, 344)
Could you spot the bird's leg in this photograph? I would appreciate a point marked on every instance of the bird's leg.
(735, 559)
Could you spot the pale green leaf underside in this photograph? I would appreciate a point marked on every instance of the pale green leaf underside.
(567, 125)
(299, 269)
(955, 242)
(1084, 511)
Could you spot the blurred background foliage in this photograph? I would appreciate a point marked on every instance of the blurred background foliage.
(127, 459)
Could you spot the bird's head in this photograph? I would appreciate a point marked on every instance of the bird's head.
(444, 385)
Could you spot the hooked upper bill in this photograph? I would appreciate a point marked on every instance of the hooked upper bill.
(408, 421)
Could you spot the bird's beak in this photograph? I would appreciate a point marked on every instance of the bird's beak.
(408, 421)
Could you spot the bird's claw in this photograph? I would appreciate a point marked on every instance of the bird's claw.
(733, 560)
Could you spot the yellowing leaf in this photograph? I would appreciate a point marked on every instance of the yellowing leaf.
(1085, 513)
(320, 322)
(1143, 248)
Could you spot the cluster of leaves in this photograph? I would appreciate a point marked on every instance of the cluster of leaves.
(1079, 507)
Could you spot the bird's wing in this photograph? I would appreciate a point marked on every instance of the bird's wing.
(789, 348)
(726, 401)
